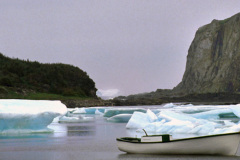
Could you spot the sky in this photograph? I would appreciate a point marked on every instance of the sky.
(125, 46)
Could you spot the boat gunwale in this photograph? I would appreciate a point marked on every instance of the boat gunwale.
(174, 140)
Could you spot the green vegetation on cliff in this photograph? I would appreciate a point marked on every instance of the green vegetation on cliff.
(34, 80)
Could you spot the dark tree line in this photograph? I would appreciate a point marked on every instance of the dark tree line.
(57, 78)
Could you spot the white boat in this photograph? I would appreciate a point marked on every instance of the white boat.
(221, 144)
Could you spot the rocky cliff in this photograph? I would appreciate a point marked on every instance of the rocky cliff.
(212, 72)
(213, 61)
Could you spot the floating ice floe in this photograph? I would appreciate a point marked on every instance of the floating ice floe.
(169, 105)
(66, 119)
(187, 119)
(89, 110)
(98, 112)
(120, 118)
(140, 120)
(79, 111)
(20, 116)
(212, 114)
(115, 111)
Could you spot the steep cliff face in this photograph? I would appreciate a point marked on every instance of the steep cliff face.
(213, 61)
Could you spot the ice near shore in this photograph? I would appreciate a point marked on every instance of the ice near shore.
(17, 116)
(174, 118)
(28, 116)
(188, 119)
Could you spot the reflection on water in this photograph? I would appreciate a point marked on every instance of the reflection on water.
(24, 136)
(179, 157)
(60, 130)
(81, 130)
(81, 133)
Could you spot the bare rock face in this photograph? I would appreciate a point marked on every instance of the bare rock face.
(213, 61)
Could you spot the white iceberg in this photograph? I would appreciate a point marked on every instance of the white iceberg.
(187, 119)
(169, 105)
(191, 109)
(235, 109)
(138, 121)
(98, 112)
(151, 116)
(79, 111)
(28, 115)
(66, 119)
(213, 114)
(88, 110)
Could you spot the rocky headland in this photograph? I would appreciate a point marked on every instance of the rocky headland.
(212, 73)
(21, 79)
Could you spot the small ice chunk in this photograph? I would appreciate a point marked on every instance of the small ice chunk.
(236, 109)
(122, 118)
(89, 110)
(97, 112)
(79, 111)
(68, 119)
(151, 116)
(115, 111)
(213, 114)
(171, 115)
(138, 120)
(228, 123)
(169, 105)
(65, 119)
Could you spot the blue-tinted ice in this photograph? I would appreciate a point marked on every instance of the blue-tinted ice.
(35, 116)
(17, 116)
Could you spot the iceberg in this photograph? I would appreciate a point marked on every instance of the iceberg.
(20, 116)
(213, 114)
(236, 110)
(151, 116)
(140, 120)
(79, 111)
(89, 110)
(188, 119)
(120, 118)
(169, 105)
(66, 119)
(191, 109)
(115, 111)
(98, 112)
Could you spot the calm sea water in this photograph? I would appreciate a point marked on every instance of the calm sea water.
(94, 140)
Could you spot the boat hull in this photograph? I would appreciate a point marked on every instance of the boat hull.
(226, 144)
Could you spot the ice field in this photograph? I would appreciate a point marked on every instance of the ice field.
(34, 116)
(173, 118)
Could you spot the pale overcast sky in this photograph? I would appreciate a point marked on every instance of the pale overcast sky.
(131, 46)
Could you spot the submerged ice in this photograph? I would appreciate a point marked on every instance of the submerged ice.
(28, 115)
